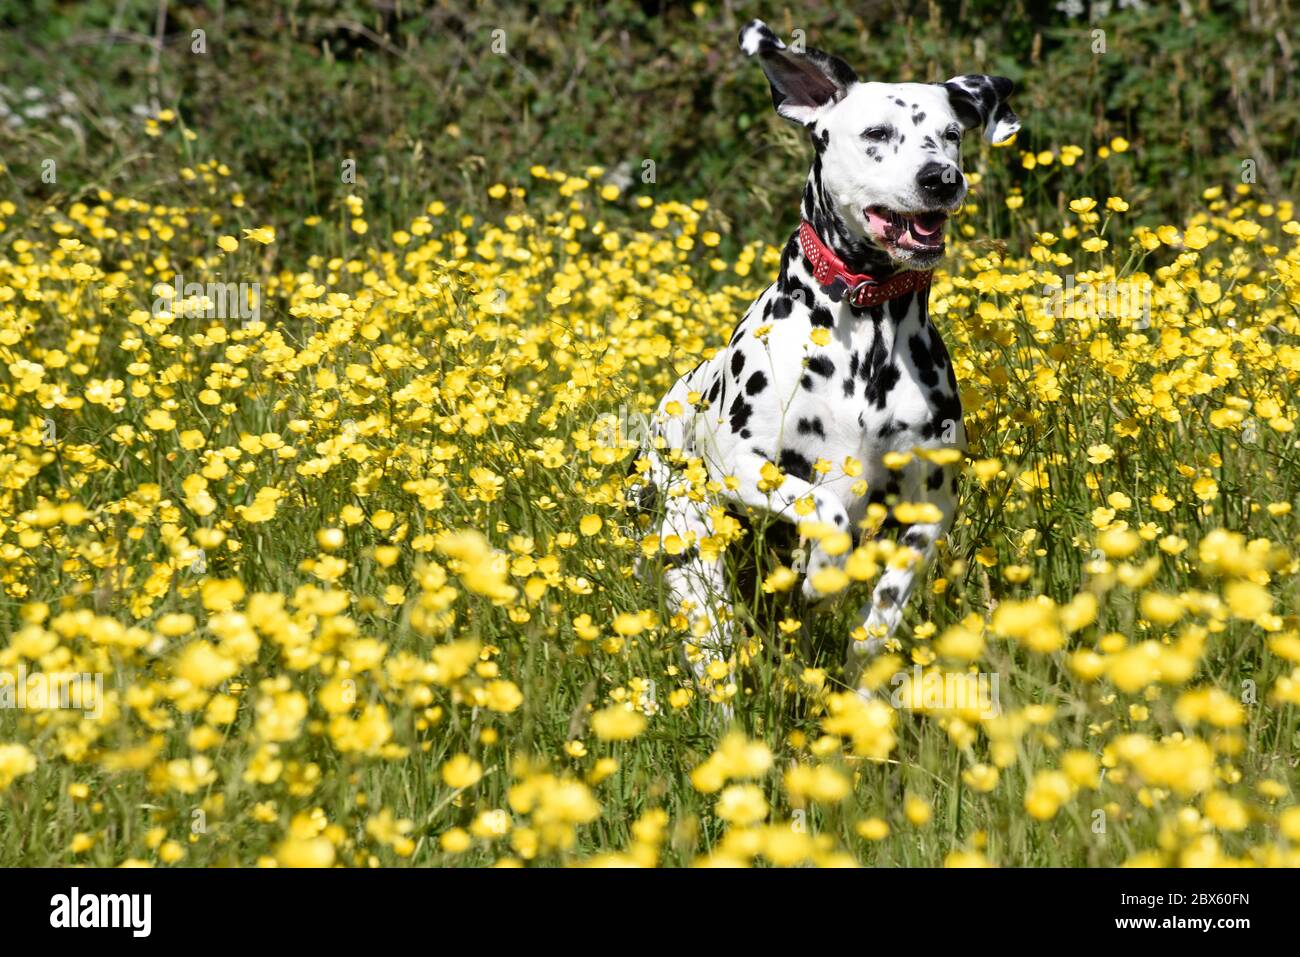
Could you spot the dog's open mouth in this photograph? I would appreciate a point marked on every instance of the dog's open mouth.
(921, 232)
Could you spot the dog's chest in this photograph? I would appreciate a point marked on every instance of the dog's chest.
(824, 392)
(869, 390)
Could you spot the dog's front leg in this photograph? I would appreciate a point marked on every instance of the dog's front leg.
(696, 585)
(881, 617)
(753, 490)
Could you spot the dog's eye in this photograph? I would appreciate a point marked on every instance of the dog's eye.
(877, 133)
(952, 134)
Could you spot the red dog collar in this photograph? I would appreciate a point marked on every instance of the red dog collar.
(863, 290)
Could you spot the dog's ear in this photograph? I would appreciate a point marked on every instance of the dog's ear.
(981, 100)
(803, 81)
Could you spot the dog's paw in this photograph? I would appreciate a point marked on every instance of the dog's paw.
(819, 561)
(882, 621)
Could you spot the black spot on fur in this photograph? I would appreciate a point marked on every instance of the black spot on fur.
(812, 427)
(935, 481)
(922, 360)
(740, 413)
(807, 382)
(822, 365)
(792, 463)
(873, 362)
(881, 385)
(756, 384)
(821, 316)
(915, 539)
(781, 307)
(737, 363)
(791, 285)
(937, 350)
(947, 410)
(898, 307)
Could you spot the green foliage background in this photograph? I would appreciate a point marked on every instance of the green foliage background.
(286, 93)
(416, 94)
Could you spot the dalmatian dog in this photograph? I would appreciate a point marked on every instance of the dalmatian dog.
(776, 421)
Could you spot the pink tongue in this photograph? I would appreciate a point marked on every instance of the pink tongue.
(926, 229)
(877, 220)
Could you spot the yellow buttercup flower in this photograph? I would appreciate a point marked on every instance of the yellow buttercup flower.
(461, 771)
(617, 724)
(15, 761)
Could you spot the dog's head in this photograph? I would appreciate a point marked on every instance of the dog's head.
(889, 153)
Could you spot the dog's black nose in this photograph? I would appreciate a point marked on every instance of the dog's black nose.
(939, 181)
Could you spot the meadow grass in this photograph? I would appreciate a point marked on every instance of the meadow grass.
(360, 578)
